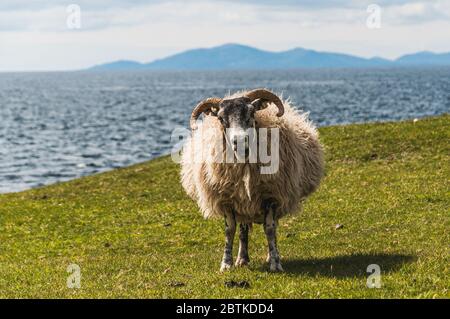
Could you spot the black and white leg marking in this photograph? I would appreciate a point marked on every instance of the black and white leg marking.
(270, 228)
(230, 230)
(243, 258)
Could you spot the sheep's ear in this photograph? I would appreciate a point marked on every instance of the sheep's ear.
(259, 104)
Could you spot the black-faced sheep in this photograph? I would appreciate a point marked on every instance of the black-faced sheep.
(239, 190)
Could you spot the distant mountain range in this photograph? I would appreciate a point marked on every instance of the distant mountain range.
(237, 56)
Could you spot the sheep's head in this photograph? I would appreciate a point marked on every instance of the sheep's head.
(237, 115)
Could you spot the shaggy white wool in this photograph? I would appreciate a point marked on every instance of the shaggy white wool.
(224, 187)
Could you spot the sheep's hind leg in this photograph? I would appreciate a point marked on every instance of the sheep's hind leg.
(230, 230)
(270, 228)
(243, 258)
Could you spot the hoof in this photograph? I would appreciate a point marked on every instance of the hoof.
(275, 266)
(240, 262)
(224, 266)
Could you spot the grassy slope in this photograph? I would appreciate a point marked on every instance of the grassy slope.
(134, 232)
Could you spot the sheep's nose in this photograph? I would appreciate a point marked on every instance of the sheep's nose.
(235, 142)
(243, 140)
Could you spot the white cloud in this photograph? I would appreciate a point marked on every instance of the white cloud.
(418, 12)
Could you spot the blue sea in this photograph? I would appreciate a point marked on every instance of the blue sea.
(58, 126)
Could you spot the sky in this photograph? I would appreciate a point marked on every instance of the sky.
(51, 35)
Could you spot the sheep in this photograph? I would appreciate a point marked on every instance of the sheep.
(237, 191)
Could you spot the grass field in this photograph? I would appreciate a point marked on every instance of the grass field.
(134, 233)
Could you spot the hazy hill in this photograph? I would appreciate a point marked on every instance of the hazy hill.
(237, 56)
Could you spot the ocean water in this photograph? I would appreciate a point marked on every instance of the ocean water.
(63, 125)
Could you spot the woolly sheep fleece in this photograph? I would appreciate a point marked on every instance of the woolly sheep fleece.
(219, 188)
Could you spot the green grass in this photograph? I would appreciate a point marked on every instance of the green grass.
(134, 232)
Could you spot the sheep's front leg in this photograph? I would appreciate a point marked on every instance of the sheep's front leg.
(270, 228)
(243, 258)
(230, 230)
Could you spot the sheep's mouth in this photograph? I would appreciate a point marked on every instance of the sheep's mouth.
(242, 156)
(244, 147)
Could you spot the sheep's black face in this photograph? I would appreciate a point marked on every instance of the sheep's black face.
(237, 117)
(236, 113)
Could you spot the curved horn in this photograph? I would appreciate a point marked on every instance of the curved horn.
(266, 95)
(202, 107)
